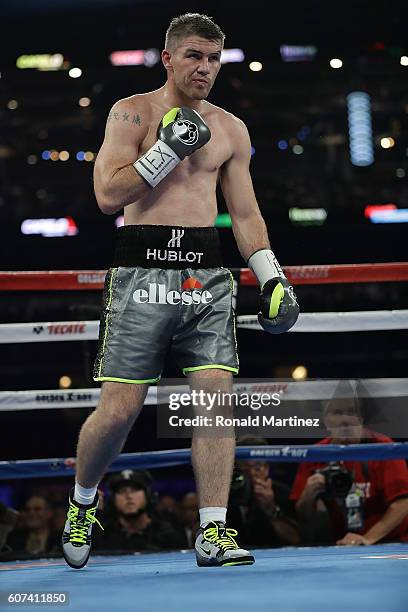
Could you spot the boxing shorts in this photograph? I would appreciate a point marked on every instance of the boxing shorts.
(167, 291)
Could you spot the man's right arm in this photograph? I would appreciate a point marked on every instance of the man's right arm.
(305, 491)
(116, 181)
(309, 502)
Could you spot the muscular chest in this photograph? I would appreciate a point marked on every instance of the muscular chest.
(207, 159)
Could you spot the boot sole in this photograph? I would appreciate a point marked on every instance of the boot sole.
(239, 561)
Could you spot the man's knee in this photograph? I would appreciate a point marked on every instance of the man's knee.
(120, 403)
(211, 377)
(211, 381)
(211, 373)
(217, 396)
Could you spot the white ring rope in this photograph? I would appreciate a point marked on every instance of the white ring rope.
(48, 332)
(366, 320)
(288, 390)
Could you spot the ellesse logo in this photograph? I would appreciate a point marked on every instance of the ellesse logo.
(192, 292)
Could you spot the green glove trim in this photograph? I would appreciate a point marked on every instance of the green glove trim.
(170, 116)
(276, 299)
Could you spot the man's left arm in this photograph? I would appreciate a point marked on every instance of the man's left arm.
(395, 483)
(392, 517)
(394, 478)
(279, 309)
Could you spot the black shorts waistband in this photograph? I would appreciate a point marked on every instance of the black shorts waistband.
(167, 247)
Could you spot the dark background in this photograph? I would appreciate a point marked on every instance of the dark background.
(275, 103)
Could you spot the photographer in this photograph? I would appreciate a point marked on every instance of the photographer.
(129, 521)
(260, 507)
(351, 503)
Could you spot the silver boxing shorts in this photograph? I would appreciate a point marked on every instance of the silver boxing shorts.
(166, 290)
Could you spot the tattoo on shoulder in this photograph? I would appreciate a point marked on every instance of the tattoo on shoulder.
(127, 117)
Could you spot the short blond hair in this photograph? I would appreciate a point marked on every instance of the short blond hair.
(191, 24)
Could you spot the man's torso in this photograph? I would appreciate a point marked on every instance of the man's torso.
(187, 197)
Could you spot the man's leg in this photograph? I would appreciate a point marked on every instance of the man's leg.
(105, 431)
(100, 441)
(213, 452)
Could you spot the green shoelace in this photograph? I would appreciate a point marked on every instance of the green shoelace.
(79, 526)
(225, 541)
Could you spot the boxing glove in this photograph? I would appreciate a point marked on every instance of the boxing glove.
(278, 306)
(181, 132)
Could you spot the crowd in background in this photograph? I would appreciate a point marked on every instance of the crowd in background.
(343, 503)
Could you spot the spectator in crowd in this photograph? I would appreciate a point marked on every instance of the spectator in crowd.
(8, 520)
(129, 521)
(167, 509)
(36, 536)
(59, 516)
(352, 502)
(260, 506)
(189, 517)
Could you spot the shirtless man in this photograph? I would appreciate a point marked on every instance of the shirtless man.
(162, 156)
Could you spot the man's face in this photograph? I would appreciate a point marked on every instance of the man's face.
(37, 513)
(189, 509)
(344, 422)
(129, 500)
(195, 63)
(255, 470)
(167, 504)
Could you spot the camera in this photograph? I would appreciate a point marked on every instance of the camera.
(241, 488)
(338, 480)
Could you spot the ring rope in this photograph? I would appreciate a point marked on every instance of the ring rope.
(288, 391)
(43, 468)
(60, 280)
(308, 322)
(316, 322)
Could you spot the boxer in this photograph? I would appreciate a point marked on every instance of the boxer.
(163, 154)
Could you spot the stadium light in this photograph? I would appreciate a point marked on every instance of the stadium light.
(75, 73)
(360, 130)
(298, 53)
(336, 63)
(229, 56)
(255, 66)
(387, 142)
(50, 228)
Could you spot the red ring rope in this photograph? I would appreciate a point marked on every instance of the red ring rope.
(298, 275)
